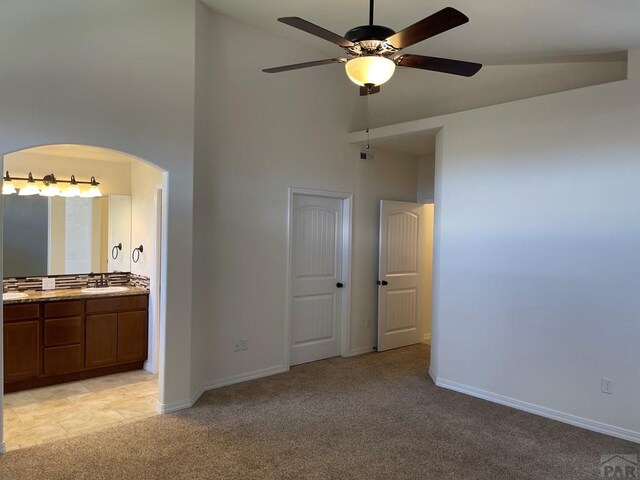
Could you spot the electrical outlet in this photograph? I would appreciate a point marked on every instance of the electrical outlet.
(48, 283)
(606, 385)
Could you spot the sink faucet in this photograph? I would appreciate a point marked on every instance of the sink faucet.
(103, 282)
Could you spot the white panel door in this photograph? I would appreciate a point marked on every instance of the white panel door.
(400, 287)
(316, 291)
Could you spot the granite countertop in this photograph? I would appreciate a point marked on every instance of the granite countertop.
(72, 294)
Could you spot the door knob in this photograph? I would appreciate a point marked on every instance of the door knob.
(384, 283)
(339, 285)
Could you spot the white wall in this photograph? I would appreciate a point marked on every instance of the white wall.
(415, 94)
(537, 263)
(268, 133)
(426, 178)
(116, 74)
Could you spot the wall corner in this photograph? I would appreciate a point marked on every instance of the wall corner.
(633, 64)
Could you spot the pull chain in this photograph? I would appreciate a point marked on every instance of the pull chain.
(368, 147)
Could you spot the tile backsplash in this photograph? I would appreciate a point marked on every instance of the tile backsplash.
(66, 282)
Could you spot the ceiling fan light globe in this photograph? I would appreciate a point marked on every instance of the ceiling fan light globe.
(370, 70)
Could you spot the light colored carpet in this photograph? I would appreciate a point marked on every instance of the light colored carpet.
(377, 416)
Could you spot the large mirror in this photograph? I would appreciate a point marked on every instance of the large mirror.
(58, 236)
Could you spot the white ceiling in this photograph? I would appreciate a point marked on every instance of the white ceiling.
(500, 31)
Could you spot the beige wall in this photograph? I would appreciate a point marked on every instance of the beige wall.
(145, 181)
(428, 271)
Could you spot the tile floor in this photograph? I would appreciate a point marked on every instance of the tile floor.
(47, 414)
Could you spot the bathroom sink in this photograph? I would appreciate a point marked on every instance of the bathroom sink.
(98, 290)
(13, 295)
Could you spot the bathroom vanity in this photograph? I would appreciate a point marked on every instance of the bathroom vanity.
(59, 336)
(62, 323)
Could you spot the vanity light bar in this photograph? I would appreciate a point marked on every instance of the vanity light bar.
(51, 188)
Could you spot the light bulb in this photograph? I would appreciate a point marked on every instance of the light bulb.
(8, 188)
(51, 188)
(93, 191)
(370, 70)
(73, 190)
(30, 188)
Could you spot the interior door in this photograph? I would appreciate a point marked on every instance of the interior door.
(316, 268)
(400, 271)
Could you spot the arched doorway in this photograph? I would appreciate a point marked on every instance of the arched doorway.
(77, 242)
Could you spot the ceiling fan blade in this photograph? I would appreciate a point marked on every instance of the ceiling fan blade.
(297, 66)
(309, 27)
(444, 65)
(439, 22)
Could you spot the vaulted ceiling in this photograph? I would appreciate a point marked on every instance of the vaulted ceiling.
(500, 31)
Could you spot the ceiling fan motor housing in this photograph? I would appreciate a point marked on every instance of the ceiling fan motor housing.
(368, 32)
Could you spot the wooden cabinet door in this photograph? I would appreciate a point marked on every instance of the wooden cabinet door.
(132, 336)
(101, 347)
(21, 350)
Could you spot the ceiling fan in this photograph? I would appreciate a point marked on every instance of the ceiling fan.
(373, 50)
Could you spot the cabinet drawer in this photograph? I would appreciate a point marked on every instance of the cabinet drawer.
(25, 311)
(62, 331)
(117, 304)
(62, 309)
(62, 359)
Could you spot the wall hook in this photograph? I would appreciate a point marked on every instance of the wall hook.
(137, 250)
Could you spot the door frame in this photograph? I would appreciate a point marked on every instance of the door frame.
(347, 227)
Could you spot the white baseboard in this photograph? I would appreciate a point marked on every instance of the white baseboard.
(427, 338)
(223, 382)
(359, 351)
(433, 375)
(174, 406)
(574, 420)
(148, 366)
(243, 377)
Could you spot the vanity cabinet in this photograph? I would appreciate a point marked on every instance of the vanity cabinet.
(102, 340)
(50, 342)
(21, 342)
(63, 337)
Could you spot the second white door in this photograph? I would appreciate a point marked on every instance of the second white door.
(316, 283)
(400, 276)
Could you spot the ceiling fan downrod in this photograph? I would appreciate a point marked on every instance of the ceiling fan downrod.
(371, 12)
